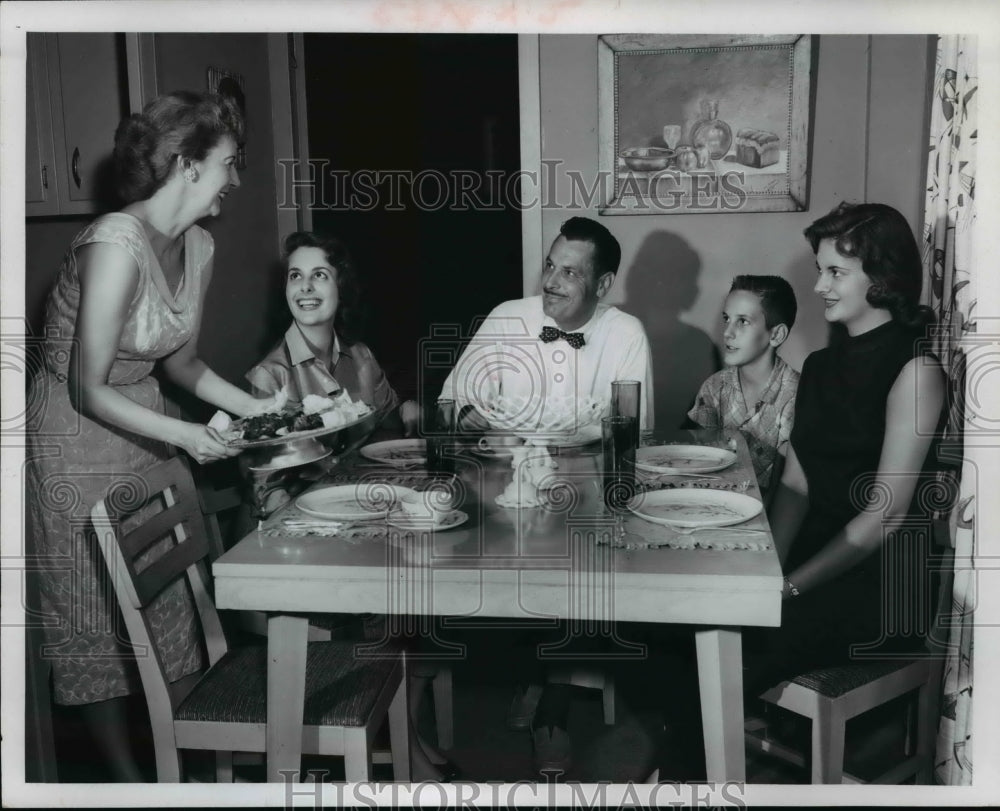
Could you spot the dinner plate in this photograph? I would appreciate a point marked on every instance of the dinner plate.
(351, 502)
(397, 452)
(294, 435)
(695, 508)
(402, 521)
(293, 457)
(683, 458)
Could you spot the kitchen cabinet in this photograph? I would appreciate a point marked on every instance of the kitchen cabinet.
(77, 94)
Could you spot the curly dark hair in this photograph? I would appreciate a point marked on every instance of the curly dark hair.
(881, 238)
(184, 124)
(777, 299)
(346, 323)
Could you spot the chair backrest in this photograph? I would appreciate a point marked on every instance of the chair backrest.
(151, 537)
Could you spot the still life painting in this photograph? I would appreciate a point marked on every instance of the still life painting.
(704, 124)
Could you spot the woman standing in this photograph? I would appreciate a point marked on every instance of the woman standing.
(129, 295)
(867, 410)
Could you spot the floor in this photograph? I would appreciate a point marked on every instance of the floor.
(656, 726)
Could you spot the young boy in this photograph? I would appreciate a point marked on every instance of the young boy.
(755, 394)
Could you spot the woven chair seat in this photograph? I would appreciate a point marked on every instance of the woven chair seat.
(835, 681)
(341, 688)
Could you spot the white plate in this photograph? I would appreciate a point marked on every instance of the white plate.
(351, 502)
(683, 459)
(453, 519)
(695, 508)
(397, 452)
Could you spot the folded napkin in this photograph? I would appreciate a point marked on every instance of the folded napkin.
(290, 520)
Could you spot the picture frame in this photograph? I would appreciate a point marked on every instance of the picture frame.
(231, 84)
(699, 124)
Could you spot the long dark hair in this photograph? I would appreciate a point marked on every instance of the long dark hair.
(184, 124)
(881, 238)
(346, 323)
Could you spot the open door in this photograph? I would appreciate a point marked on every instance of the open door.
(286, 55)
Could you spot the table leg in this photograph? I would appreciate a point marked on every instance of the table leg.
(720, 682)
(286, 688)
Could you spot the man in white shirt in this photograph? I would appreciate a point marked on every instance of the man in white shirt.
(543, 352)
(561, 347)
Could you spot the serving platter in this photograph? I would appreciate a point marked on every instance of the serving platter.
(313, 433)
(352, 502)
(695, 508)
(397, 452)
(299, 452)
(683, 458)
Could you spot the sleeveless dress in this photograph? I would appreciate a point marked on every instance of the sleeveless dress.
(72, 460)
(838, 433)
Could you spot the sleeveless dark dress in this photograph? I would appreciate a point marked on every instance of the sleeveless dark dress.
(883, 605)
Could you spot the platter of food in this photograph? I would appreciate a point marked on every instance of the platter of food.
(695, 508)
(315, 417)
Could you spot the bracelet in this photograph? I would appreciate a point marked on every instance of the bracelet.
(794, 592)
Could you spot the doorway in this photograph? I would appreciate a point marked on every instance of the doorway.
(405, 123)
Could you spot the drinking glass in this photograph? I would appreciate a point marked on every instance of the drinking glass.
(625, 402)
(618, 445)
(441, 438)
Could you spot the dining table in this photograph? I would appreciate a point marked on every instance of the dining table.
(558, 553)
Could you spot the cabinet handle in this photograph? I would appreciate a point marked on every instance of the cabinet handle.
(45, 176)
(76, 166)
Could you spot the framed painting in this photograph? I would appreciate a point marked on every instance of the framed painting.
(693, 124)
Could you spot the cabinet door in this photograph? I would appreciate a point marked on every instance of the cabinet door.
(39, 163)
(88, 102)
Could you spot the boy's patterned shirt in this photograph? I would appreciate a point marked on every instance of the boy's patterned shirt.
(766, 424)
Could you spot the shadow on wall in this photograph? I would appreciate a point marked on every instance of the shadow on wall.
(662, 283)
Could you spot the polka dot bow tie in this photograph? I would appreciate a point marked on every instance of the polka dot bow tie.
(574, 339)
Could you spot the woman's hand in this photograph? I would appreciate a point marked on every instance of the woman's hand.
(409, 413)
(204, 444)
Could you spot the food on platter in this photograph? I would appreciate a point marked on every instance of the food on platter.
(220, 421)
(314, 413)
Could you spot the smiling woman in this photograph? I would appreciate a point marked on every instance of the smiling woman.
(852, 515)
(319, 354)
(130, 295)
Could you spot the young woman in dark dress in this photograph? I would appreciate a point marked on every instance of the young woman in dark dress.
(850, 518)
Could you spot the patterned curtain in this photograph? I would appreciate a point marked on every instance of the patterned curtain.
(949, 220)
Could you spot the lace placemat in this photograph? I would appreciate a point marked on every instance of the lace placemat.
(635, 533)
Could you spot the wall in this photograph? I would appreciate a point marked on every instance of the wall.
(246, 233)
(869, 143)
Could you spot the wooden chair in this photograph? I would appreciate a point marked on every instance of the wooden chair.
(158, 538)
(213, 502)
(831, 696)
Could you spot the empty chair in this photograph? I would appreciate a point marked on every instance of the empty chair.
(151, 540)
